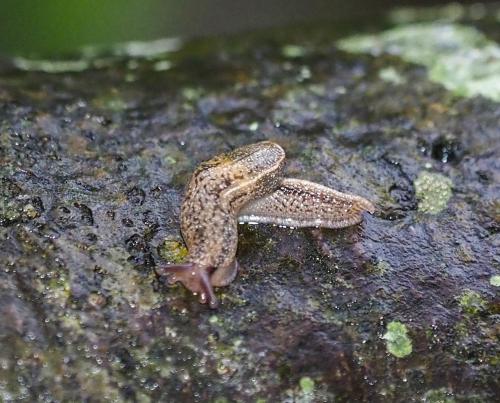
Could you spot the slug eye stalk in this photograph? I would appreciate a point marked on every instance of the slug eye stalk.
(194, 278)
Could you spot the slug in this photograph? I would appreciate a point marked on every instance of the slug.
(247, 185)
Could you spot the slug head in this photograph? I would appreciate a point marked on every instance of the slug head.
(194, 278)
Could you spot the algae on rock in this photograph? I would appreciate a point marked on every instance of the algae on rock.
(433, 191)
(398, 342)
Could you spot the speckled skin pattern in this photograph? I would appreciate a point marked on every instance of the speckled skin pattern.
(247, 185)
(300, 203)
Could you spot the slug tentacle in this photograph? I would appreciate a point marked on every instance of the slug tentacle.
(300, 203)
(194, 278)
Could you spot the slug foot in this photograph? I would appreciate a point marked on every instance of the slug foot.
(194, 278)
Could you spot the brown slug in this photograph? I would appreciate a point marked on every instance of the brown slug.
(247, 185)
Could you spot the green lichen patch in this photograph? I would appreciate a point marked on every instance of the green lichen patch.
(306, 385)
(495, 280)
(382, 267)
(459, 57)
(293, 51)
(101, 56)
(51, 66)
(471, 302)
(433, 191)
(398, 342)
(391, 75)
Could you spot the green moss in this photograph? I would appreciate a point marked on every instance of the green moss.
(192, 93)
(450, 12)
(372, 267)
(306, 385)
(293, 51)
(391, 75)
(9, 212)
(14, 205)
(495, 281)
(230, 356)
(213, 319)
(433, 192)
(98, 56)
(162, 65)
(97, 381)
(51, 66)
(30, 211)
(172, 251)
(458, 57)
(438, 396)
(398, 342)
(382, 267)
(111, 101)
(254, 126)
(471, 302)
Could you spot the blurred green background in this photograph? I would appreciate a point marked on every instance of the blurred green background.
(56, 27)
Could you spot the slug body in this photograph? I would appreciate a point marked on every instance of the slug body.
(247, 185)
(218, 189)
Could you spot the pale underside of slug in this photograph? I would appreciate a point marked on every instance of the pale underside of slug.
(247, 186)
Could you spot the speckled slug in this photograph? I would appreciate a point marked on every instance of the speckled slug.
(247, 185)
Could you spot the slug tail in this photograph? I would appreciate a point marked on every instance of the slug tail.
(300, 203)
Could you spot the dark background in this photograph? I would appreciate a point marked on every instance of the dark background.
(55, 27)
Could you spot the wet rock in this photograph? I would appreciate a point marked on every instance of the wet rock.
(446, 149)
(402, 307)
(17, 206)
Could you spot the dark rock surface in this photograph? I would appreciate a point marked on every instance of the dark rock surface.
(93, 165)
